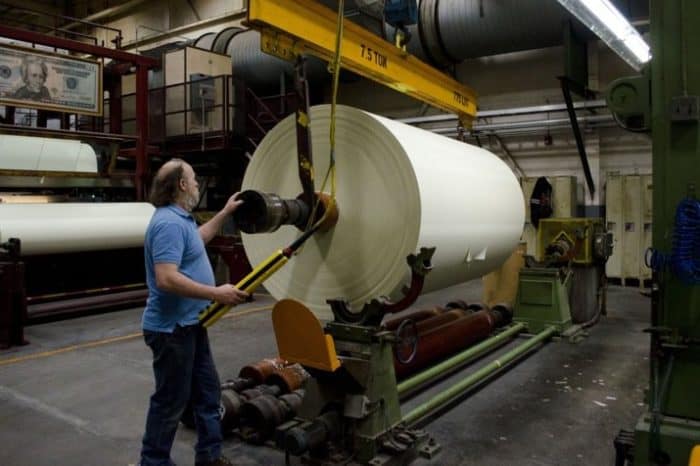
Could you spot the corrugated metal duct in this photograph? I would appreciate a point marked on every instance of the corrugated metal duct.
(205, 41)
(257, 68)
(450, 31)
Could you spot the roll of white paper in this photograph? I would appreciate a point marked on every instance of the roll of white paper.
(72, 227)
(46, 154)
(399, 188)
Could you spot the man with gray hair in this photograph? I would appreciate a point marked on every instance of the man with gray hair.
(180, 284)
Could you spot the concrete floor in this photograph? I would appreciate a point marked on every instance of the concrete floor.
(77, 395)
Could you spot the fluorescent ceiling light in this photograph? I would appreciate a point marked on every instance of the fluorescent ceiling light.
(612, 27)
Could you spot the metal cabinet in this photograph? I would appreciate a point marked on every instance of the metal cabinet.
(628, 208)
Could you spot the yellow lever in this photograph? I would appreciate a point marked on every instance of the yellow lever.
(249, 283)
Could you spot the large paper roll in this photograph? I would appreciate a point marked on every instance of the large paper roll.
(399, 189)
(73, 227)
(46, 154)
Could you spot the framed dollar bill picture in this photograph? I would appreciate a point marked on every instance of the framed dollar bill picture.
(37, 79)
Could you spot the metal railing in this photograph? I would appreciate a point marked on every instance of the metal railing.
(203, 107)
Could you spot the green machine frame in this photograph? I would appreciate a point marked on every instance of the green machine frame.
(664, 100)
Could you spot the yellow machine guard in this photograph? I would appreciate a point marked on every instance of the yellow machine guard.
(300, 337)
(695, 456)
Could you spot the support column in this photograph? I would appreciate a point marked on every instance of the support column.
(142, 131)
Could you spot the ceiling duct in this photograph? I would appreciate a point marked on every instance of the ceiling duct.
(450, 31)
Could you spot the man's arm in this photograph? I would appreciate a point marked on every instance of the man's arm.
(209, 229)
(169, 278)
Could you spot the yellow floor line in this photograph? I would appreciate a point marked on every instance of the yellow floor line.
(91, 344)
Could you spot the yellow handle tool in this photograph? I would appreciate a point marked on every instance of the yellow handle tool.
(259, 274)
(249, 283)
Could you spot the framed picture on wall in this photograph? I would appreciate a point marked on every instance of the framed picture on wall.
(37, 79)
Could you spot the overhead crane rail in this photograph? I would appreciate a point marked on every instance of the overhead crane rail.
(291, 28)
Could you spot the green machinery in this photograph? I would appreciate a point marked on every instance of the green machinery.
(351, 411)
(574, 250)
(664, 100)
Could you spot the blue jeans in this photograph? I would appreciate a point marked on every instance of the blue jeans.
(183, 367)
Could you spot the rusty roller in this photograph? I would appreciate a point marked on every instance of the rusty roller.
(457, 304)
(232, 401)
(416, 316)
(426, 314)
(288, 378)
(408, 332)
(440, 320)
(261, 415)
(438, 342)
(261, 370)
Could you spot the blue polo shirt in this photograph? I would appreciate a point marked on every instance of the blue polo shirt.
(172, 237)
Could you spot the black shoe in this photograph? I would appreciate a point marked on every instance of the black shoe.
(221, 461)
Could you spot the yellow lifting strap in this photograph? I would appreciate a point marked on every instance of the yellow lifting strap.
(300, 337)
(695, 456)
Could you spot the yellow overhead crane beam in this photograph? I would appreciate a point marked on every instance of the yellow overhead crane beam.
(293, 27)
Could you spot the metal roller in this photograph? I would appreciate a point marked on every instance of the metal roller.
(263, 414)
(261, 370)
(439, 342)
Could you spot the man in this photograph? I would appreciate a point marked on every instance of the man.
(34, 73)
(180, 284)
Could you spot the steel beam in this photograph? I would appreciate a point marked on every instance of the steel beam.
(75, 46)
(307, 27)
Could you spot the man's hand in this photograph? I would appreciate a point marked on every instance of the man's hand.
(209, 229)
(232, 204)
(229, 294)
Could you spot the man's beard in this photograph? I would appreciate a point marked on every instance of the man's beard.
(191, 201)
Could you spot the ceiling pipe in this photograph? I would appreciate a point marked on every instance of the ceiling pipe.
(587, 105)
(451, 31)
(109, 12)
(529, 131)
(543, 123)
